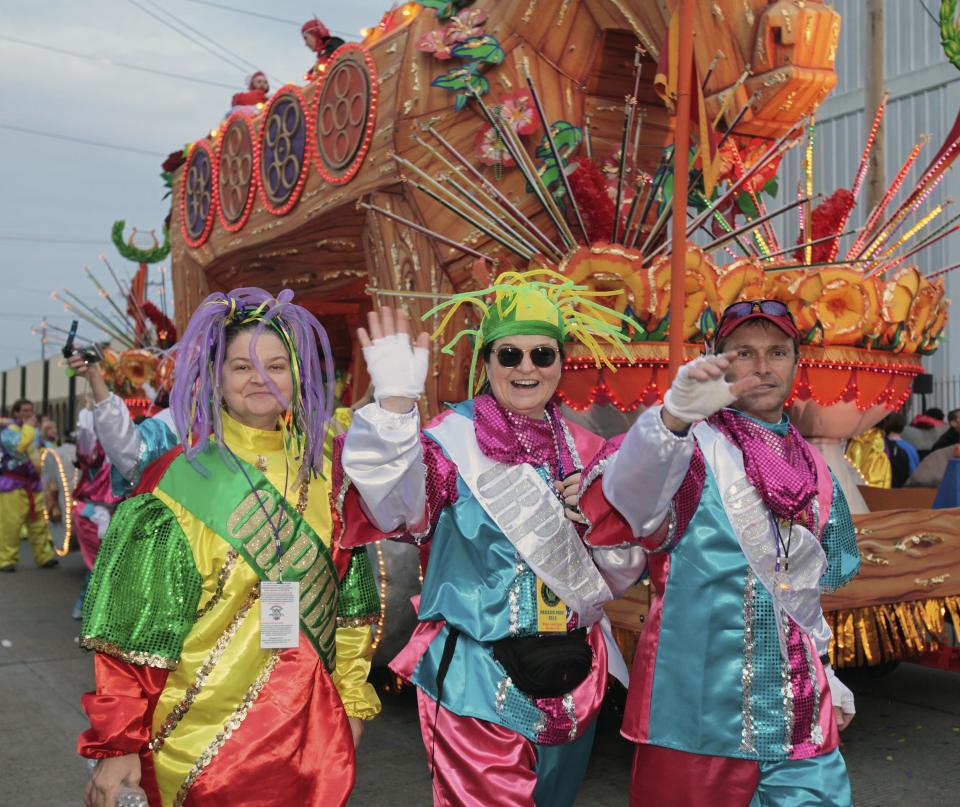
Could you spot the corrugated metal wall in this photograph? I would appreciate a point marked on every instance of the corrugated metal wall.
(925, 97)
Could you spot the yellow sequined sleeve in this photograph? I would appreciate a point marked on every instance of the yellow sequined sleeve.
(354, 657)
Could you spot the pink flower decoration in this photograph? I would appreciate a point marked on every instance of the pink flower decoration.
(468, 23)
(518, 110)
(435, 42)
(492, 150)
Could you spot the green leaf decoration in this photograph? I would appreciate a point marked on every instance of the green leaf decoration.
(484, 49)
(131, 253)
(772, 186)
(462, 78)
(950, 32)
(566, 136)
(746, 205)
(445, 8)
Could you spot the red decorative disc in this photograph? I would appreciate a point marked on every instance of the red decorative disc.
(197, 200)
(345, 107)
(236, 173)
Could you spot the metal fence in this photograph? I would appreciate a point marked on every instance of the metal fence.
(946, 393)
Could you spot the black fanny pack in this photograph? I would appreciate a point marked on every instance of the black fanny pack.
(546, 666)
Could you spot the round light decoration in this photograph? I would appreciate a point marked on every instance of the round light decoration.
(344, 113)
(236, 172)
(196, 195)
(285, 140)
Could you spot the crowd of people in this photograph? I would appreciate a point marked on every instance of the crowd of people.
(230, 594)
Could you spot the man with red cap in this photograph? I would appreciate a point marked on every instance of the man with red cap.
(316, 36)
(732, 700)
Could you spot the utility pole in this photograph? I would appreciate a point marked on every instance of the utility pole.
(874, 89)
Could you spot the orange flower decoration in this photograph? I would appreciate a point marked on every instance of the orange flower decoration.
(606, 267)
(845, 306)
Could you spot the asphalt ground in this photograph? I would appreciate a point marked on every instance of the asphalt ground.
(903, 748)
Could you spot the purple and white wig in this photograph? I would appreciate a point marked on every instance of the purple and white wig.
(196, 398)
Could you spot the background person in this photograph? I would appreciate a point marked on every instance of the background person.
(21, 490)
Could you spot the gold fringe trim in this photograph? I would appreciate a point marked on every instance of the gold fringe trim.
(889, 632)
(190, 695)
(129, 656)
(229, 562)
(232, 724)
(357, 621)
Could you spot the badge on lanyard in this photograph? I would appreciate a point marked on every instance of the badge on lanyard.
(279, 615)
(551, 610)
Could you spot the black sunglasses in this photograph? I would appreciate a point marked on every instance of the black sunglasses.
(510, 356)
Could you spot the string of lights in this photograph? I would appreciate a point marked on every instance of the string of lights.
(82, 140)
(105, 62)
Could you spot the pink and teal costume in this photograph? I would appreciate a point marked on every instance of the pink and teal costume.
(728, 683)
(490, 743)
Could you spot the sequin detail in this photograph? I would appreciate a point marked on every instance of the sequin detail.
(200, 680)
(840, 544)
(747, 740)
(359, 601)
(131, 657)
(232, 724)
(142, 599)
(786, 691)
(229, 561)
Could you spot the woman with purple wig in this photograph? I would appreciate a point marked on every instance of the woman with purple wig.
(231, 638)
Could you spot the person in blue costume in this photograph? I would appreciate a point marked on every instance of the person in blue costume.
(732, 700)
(512, 650)
(130, 447)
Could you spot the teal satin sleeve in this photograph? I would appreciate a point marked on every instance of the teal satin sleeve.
(156, 440)
(839, 543)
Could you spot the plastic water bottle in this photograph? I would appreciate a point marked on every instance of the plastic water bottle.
(127, 796)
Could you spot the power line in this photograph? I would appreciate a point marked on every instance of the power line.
(236, 10)
(105, 62)
(37, 239)
(202, 35)
(185, 35)
(84, 141)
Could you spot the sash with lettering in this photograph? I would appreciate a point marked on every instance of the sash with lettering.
(530, 516)
(225, 502)
(754, 527)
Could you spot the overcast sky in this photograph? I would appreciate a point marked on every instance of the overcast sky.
(60, 198)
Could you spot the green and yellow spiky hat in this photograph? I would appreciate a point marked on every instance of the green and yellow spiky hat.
(539, 302)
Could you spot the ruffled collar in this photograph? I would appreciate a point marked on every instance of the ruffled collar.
(247, 439)
(512, 438)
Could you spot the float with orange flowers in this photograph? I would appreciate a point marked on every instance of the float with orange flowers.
(463, 138)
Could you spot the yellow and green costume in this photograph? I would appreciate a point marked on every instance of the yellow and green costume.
(172, 612)
(21, 500)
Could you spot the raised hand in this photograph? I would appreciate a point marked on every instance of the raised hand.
(700, 389)
(397, 367)
(90, 372)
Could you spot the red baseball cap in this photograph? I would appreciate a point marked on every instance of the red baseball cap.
(736, 314)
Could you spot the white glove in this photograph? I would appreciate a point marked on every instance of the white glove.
(396, 367)
(840, 694)
(691, 400)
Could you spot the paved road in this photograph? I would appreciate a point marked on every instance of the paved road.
(903, 747)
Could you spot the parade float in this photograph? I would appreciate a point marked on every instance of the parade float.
(461, 138)
(130, 337)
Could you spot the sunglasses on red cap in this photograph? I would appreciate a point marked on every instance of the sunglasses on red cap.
(772, 310)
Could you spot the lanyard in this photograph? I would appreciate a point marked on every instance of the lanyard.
(274, 527)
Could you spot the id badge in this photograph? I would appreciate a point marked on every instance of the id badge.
(279, 615)
(551, 610)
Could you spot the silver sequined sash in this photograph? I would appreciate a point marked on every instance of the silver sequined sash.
(754, 525)
(530, 516)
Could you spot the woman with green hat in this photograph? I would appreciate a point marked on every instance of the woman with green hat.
(512, 650)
